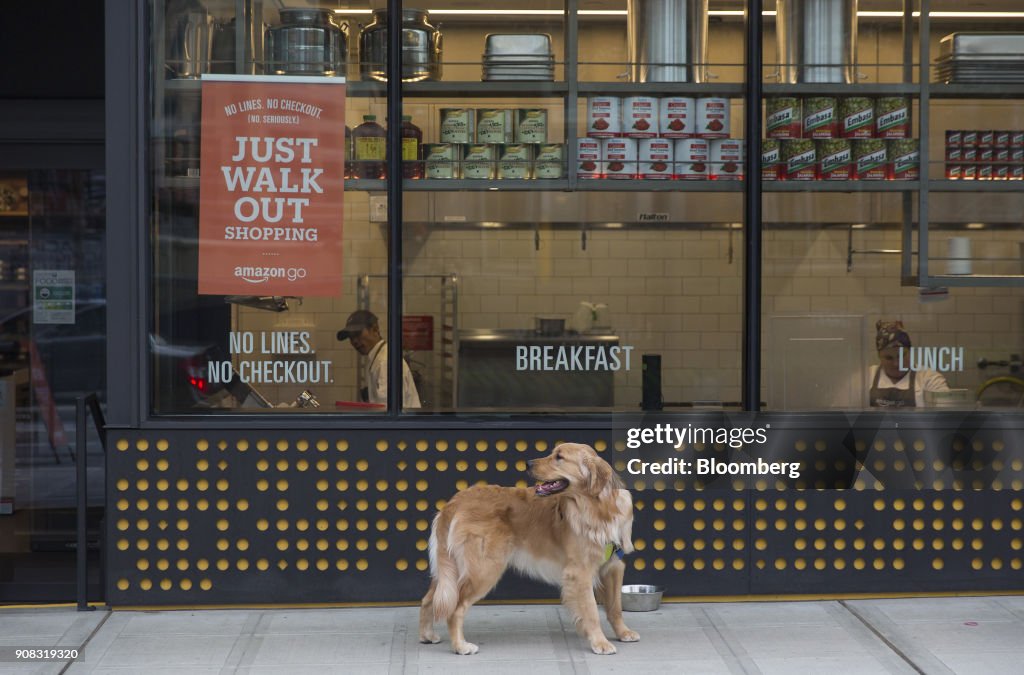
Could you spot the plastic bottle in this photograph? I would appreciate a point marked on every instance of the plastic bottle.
(349, 152)
(370, 142)
(412, 139)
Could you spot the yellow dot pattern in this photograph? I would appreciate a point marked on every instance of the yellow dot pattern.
(212, 519)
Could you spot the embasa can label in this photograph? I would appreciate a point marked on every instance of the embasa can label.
(783, 118)
(820, 119)
(858, 117)
(892, 117)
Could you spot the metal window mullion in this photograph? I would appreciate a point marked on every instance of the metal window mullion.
(394, 200)
(923, 131)
(752, 227)
(572, 79)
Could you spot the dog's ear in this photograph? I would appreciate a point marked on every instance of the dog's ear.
(599, 473)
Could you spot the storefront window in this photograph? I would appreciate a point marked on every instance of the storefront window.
(590, 266)
(259, 257)
(860, 160)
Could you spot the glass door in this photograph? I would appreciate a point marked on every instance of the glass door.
(52, 350)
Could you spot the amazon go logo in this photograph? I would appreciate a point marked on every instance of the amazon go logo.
(259, 275)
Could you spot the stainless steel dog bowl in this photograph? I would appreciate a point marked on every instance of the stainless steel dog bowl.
(640, 598)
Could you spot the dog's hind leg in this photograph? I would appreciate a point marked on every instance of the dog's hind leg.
(427, 633)
(578, 596)
(611, 596)
(483, 576)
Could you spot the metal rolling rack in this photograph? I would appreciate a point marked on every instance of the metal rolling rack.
(445, 375)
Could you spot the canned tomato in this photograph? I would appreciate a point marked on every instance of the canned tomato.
(549, 161)
(457, 125)
(494, 126)
(799, 158)
(619, 156)
(677, 116)
(835, 158)
(531, 125)
(588, 157)
(691, 159)
(442, 160)
(713, 117)
(771, 160)
(892, 117)
(726, 159)
(479, 161)
(782, 117)
(821, 117)
(640, 117)
(604, 116)
(515, 160)
(904, 159)
(857, 117)
(870, 158)
(655, 155)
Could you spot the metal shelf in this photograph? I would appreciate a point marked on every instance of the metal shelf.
(729, 90)
(536, 89)
(866, 89)
(982, 91)
(841, 186)
(976, 186)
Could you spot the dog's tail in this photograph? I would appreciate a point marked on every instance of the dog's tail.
(444, 570)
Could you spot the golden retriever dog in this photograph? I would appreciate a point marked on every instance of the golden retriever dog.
(558, 531)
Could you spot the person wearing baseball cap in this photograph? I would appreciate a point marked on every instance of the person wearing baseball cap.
(362, 330)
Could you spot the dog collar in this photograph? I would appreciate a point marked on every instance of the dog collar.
(613, 549)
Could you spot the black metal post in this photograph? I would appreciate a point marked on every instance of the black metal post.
(394, 165)
(81, 492)
(752, 115)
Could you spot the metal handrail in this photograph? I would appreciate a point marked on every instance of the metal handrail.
(91, 402)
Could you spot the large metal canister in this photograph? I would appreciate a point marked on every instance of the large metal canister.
(817, 41)
(668, 40)
(421, 47)
(308, 42)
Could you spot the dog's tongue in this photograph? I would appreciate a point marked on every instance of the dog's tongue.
(550, 487)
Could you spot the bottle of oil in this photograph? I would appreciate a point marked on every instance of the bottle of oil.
(349, 152)
(370, 141)
(412, 139)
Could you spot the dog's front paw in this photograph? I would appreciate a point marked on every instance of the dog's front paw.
(430, 638)
(602, 646)
(465, 648)
(629, 636)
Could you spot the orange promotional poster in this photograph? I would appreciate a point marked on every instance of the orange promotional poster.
(271, 185)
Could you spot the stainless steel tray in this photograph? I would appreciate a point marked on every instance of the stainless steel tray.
(982, 45)
(518, 58)
(504, 43)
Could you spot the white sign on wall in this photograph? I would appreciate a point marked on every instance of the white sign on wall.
(53, 295)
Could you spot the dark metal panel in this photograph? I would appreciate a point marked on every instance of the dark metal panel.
(213, 516)
(126, 214)
(752, 226)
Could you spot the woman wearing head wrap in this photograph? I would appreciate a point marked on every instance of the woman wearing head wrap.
(891, 385)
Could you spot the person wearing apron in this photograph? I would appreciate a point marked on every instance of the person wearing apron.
(884, 393)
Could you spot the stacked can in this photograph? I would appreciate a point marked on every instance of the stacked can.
(985, 155)
(839, 129)
(645, 137)
(492, 143)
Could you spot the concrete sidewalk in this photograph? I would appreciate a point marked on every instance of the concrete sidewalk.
(919, 635)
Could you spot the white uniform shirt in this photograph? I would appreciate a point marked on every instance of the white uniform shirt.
(924, 380)
(377, 378)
